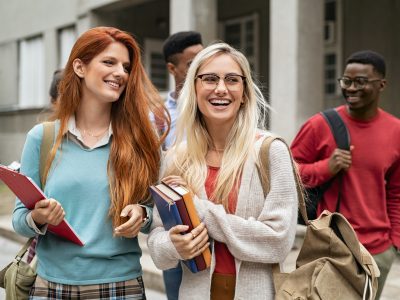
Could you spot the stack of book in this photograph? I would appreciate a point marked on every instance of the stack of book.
(175, 206)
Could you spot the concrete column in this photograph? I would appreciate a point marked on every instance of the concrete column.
(197, 15)
(296, 63)
(194, 15)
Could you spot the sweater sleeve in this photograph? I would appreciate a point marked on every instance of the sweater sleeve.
(393, 202)
(306, 150)
(268, 237)
(29, 167)
(146, 226)
(162, 250)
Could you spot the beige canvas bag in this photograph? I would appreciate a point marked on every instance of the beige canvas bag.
(332, 263)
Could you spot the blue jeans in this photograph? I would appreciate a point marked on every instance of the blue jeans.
(172, 282)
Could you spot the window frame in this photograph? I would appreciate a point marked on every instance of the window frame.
(65, 50)
(255, 60)
(156, 46)
(31, 77)
(333, 45)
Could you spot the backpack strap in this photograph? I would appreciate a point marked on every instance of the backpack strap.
(264, 174)
(45, 147)
(338, 128)
(342, 139)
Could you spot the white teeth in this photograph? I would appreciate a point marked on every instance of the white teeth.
(113, 84)
(220, 101)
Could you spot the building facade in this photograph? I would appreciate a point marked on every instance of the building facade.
(296, 48)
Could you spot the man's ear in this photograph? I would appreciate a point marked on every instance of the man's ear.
(383, 85)
(171, 69)
(79, 67)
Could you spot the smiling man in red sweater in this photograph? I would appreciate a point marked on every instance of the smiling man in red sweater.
(370, 188)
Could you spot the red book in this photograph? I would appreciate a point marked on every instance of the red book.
(29, 193)
(183, 213)
(188, 211)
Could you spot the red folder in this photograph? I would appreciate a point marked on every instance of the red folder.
(29, 193)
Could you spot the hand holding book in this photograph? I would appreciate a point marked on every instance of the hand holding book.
(192, 244)
(48, 211)
(30, 195)
(179, 216)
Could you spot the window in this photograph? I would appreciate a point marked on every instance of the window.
(330, 74)
(332, 56)
(155, 64)
(242, 34)
(66, 40)
(31, 83)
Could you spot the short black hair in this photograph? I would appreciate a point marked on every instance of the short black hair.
(368, 57)
(178, 42)
(53, 91)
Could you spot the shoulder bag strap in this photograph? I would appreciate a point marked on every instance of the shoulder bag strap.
(45, 147)
(264, 174)
(23, 250)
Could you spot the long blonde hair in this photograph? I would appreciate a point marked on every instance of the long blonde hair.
(187, 156)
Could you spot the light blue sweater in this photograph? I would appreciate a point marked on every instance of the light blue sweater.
(78, 180)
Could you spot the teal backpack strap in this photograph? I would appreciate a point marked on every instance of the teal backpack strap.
(45, 147)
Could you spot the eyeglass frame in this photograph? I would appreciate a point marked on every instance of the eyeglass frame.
(353, 82)
(200, 76)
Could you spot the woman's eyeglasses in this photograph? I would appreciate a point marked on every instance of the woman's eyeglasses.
(233, 82)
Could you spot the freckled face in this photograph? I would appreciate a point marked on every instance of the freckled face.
(220, 105)
(105, 77)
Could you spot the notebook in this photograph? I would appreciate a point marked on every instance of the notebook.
(29, 193)
(175, 206)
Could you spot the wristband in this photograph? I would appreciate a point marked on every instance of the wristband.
(146, 218)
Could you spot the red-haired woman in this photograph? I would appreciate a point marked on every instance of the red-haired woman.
(105, 155)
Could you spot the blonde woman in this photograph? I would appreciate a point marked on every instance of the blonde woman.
(215, 155)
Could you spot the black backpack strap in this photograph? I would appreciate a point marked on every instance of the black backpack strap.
(338, 128)
(342, 138)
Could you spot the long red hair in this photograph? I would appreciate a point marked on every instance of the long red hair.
(135, 146)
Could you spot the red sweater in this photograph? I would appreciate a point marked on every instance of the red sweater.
(371, 187)
(224, 260)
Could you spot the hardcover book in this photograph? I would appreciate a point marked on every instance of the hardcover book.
(175, 206)
(29, 193)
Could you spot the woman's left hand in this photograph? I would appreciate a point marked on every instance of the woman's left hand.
(174, 180)
(131, 228)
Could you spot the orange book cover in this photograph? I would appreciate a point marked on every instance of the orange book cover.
(188, 199)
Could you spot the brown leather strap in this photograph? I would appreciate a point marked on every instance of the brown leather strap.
(45, 147)
(264, 173)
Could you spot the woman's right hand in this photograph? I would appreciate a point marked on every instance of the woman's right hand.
(191, 244)
(48, 211)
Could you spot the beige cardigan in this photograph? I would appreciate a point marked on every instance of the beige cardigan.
(261, 232)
